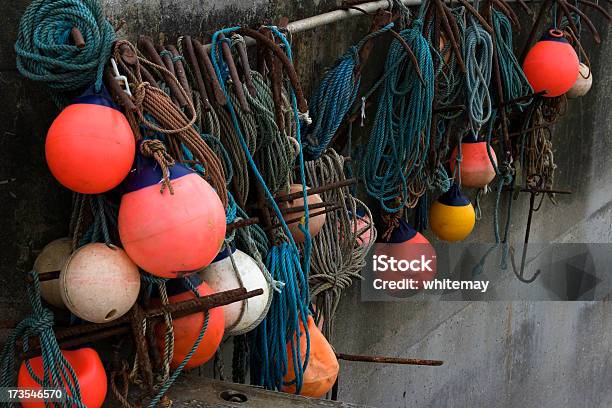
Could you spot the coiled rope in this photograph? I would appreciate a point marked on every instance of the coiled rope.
(45, 53)
(334, 97)
(394, 161)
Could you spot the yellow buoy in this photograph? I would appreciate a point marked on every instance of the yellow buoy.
(452, 216)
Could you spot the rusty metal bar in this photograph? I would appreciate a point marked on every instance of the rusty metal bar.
(389, 360)
(315, 190)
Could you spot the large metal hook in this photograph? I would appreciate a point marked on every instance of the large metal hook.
(521, 274)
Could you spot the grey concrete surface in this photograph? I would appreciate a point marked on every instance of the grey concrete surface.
(497, 354)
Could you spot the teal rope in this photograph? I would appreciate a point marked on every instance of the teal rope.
(514, 82)
(57, 371)
(399, 142)
(45, 53)
(478, 56)
(334, 97)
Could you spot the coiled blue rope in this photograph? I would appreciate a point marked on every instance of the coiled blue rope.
(46, 54)
(334, 97)
(399, 142)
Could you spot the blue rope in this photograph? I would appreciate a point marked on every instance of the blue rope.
(45, 53)
(398, 145)
(280, 325)
(334, 97)
(57, 371)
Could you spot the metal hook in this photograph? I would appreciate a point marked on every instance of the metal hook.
(521, 274)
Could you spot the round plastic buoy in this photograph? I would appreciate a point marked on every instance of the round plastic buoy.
(551, 65)
(170, 235)
(452, 217)
(52, 258)
(187, 328)
(322, 370)
(476, 168)
(314, 223)
(240, 317)
(89, 372)
(583, 83)
(90, 145)
(99, 284)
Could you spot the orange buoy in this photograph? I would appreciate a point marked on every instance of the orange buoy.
(476, 168)
(583, 83)
(187, 329)
(52, 258)
(314, 223)
(90, 145)
(452, 217)
(322, 369)
(551, 65)
(89, 372)
(170, 235)
(98, 283)
(405, 255)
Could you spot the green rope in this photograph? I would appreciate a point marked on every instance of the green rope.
(57, 371)
(45, 52)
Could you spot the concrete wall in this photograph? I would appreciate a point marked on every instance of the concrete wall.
(500, 354)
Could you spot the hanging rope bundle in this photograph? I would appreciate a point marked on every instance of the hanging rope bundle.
(394, 161)
(46, 54)
(57, 371)
(515, 83)
(169, 120)
(282, 324)
(340, 248)
(334, 97)
(478, 56)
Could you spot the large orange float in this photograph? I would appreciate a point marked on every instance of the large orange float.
(170, 235)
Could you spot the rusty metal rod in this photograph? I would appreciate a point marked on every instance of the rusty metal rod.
(315, 190)
(77, 37)
(389, 360)
(296, 220)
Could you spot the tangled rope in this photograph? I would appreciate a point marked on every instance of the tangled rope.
(46, 54)
(334, 97)
(394, 161)
(57, 371)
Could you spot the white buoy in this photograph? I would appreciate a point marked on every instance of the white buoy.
(240, 317)
(98, 283)
(583, 83)
(52, 258)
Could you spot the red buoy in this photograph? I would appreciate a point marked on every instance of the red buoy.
(170, 235)
(187, 329)
(415, 259)
(89, 372)
(551, 65)
(476, 168)
(90, 145)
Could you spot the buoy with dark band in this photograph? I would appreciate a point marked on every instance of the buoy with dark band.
(90, 145)
(170, 235)
(551, 65)
(187, 328)
(99, 284)
(322, 370)
(240, 317)
(452, 216)
(52, 258)
(89, 373)
(476, 168)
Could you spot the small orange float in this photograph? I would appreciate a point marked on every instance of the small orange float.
(314, 223)
(89, 372)
(322, 370)
(476, 168)
(187, 329)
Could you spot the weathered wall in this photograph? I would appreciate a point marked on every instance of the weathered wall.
(496, 354)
